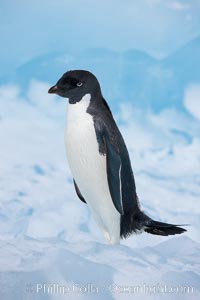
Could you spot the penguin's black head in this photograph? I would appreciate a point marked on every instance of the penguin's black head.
(75, 84)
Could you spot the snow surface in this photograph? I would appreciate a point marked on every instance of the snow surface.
(47, 235)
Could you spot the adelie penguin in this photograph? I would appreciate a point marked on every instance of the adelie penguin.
(100, 163)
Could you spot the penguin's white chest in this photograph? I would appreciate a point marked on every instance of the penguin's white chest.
(88, 168)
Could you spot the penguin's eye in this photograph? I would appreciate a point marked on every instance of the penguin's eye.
(79, 84)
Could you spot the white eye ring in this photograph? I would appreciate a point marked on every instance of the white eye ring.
(79, 84)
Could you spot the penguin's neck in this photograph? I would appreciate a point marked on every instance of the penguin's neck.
(77, 110)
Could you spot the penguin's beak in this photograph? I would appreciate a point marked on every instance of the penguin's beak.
(53, 90)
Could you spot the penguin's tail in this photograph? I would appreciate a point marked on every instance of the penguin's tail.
(142, 223)
(160, 228)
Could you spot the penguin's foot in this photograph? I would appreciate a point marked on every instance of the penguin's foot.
(106, 236)
(114, 242)
(109, 239)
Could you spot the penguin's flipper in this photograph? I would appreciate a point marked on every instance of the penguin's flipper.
(78, 192)
(113, 166)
